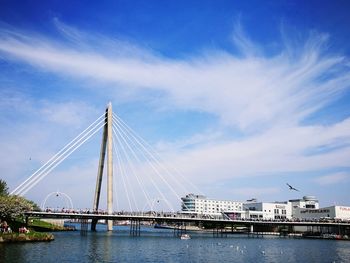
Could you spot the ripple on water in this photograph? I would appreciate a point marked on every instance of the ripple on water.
(155, 246)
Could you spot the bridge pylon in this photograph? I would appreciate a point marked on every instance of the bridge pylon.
(106, 145)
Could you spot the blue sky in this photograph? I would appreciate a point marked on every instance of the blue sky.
(240, 96)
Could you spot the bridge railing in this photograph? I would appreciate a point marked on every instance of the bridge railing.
(150, 214)
(179, 215)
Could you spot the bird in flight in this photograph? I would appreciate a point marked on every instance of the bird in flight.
(292, 188)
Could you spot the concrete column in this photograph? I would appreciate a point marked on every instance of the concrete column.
(109, 165)
(100, 167)
(251, 228)
(100, 172)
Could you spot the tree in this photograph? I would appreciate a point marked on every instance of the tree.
(13, 206)
(3, 188)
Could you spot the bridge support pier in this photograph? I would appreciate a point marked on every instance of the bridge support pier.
(258, 233)
(180, 229)
(109, 166)
(93, 224)
(135, 228)
(106, 145)
(219, 231)
(84, 225)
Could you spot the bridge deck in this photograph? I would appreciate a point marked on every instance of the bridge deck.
(176, 218)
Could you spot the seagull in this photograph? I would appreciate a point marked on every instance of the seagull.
(292, 188)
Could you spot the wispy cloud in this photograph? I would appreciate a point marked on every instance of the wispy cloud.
(33, 130)
(276, 151)
(67, 113)
(245, 92)
(335, 178)
(256, 191)
(265, 98)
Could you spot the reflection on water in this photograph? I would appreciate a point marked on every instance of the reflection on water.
(155, 245)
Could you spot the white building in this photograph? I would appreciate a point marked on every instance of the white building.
(263, 210)
(307, 202)
(331, 212)
(200, 204)
(305, 208)
(278, 210)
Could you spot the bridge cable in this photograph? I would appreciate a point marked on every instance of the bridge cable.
(62, 155)
(38, 177)
(137, 159)
(152, 166)
(122, 172)
(130, 165)
(151, 163)
(53, 157)
(156, 170)
(127, 181)
(52, 160)
(43, 175)
(155, 155)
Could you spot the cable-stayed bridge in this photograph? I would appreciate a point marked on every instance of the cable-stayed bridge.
(134, 170)
(121, 149)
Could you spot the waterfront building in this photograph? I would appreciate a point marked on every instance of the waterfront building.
(307, 202)
(277, 210)
(306, 208)
(266, 210)
(200, 204)
(331, 212)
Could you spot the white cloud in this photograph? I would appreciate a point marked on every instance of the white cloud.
(245, 92)
(68, 113)
(279, 150)
(332, 178)
(264, 98)
(32, 131)
(191, 142)
(261, 191)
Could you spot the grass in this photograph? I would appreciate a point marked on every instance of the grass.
(44, 226)
(31, 236)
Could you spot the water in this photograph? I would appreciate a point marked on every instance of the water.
(157, 245)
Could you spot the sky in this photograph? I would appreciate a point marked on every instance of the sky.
(241, 97)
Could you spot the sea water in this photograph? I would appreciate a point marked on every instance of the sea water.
(159, 245)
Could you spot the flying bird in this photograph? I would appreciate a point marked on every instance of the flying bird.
(292, 188)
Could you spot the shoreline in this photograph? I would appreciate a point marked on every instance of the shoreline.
(30, 237)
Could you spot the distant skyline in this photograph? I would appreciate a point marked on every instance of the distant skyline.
(242, 97)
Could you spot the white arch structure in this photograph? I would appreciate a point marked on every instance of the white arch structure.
(69, 204)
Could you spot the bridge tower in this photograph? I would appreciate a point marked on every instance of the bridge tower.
(107, 144)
